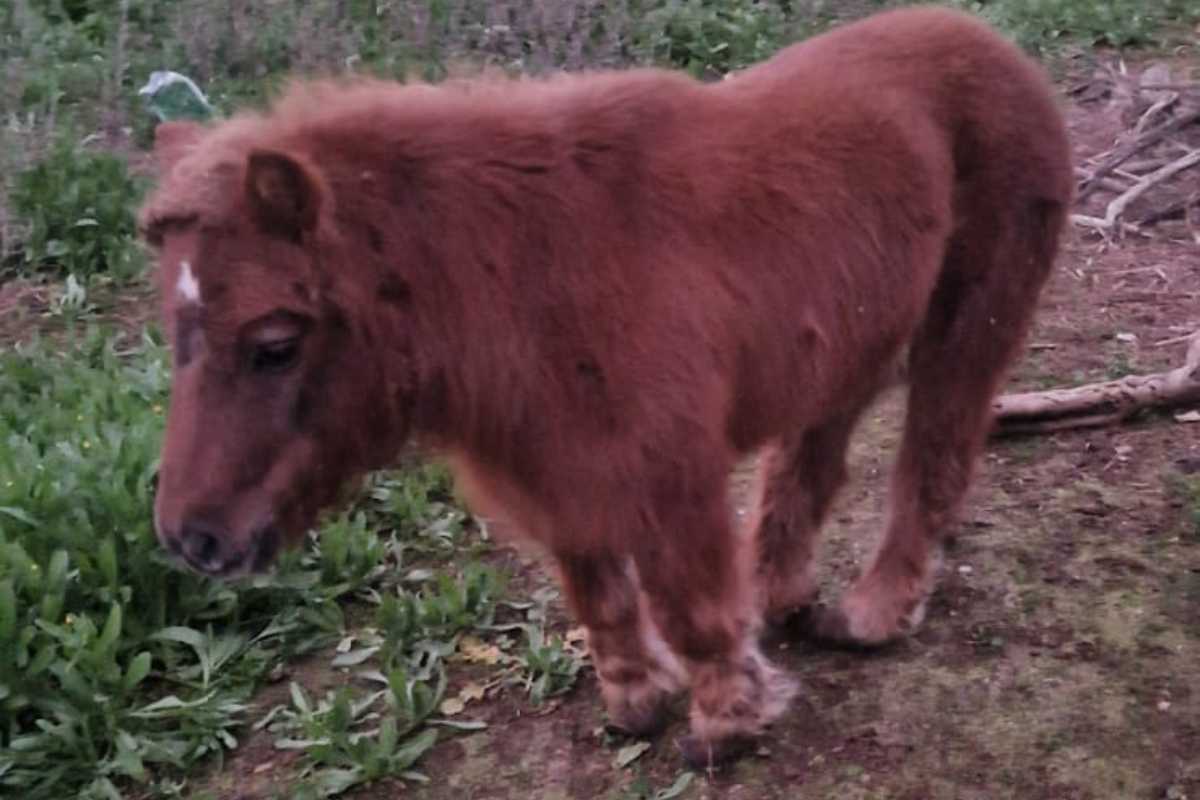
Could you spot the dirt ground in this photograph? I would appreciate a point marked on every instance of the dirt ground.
(1060, 658)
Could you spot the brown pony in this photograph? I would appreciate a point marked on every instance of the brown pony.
(592, 295)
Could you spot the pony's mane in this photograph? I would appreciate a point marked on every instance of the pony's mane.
(197, 184)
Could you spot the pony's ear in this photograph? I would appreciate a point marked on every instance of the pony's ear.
(173, 139)
(283, 194)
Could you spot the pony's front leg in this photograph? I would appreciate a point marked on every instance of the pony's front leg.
(698, 580)
(638, 673)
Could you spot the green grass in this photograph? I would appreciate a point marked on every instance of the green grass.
(116, 669)
(119, 670)
(1042, 25)
(79, 208)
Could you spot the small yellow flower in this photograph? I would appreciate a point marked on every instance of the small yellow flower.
(157, 408)
(86, 444)
(70, 619)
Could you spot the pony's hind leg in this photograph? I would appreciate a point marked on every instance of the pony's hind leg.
(801, 479)
(638, 673)
(982, 306)
(697, 576)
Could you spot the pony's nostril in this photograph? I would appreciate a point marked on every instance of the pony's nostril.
(201, 547)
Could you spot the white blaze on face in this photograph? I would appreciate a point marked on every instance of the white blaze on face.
(187, 286)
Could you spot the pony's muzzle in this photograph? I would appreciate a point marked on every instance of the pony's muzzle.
(211, 550)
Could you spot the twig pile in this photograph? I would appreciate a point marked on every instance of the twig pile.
(1146, 172)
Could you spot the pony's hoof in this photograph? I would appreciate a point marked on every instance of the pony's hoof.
(829, 627)
(639, 722)
(709, 755)
(790, 624)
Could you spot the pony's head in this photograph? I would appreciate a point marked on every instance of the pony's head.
(276, 397)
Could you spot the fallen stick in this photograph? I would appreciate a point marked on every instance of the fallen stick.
(1173, 340)
(1098, 224)
(1161, 104)
(1127, 151)
(1175, 210)
(1098, 404)
(1113, 185)
(1144, 165)
(1117, 207)
(1171, 87)
(1108, 184)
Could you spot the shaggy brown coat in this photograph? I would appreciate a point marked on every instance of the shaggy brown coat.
(593, 294)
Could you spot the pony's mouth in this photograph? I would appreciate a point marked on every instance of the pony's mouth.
(199, 553)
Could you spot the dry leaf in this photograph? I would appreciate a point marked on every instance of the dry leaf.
(677, 788)
(630, 753)
(452, 706)
(477, 651)
(472, 691)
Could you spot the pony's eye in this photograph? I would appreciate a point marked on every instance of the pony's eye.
(275, 356)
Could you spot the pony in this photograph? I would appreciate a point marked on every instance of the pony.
(592, 294)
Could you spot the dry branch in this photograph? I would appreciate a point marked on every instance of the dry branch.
(1099, 403)
(1117, 207)
(1164, 102)
(1174, 210)
(1144, 165)
(1098, 224)
(1127, 151)
(1171, 87)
